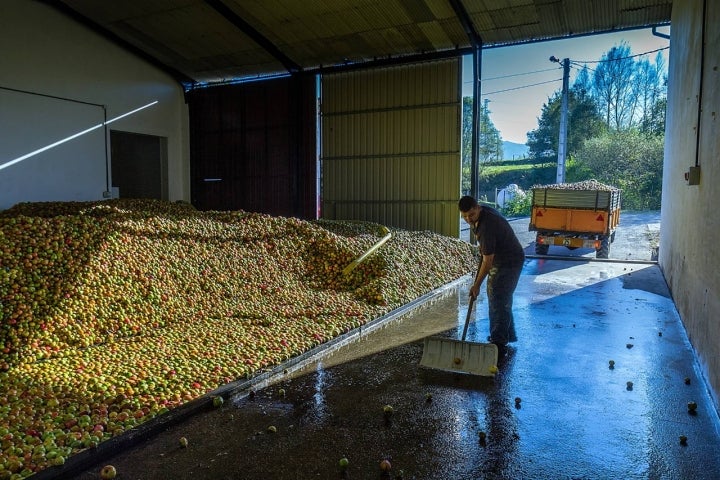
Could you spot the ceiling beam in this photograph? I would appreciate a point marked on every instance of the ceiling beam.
(391, 61)
(232, 17)
(466, 22)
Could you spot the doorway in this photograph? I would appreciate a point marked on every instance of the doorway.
(139, 165)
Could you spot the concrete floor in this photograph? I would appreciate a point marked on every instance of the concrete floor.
(577, 418)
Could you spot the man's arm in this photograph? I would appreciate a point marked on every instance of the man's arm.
(485, 266)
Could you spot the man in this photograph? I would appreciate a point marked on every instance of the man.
(502, 261)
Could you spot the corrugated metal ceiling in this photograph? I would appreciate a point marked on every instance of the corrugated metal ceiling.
(208, 41)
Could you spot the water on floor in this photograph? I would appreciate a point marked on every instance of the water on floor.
(597, 386)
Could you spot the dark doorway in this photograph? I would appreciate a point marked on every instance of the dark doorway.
(252, 147)
(139, 165)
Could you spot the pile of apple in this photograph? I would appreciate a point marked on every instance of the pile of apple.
(114, 312)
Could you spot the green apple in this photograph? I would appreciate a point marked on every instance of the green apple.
(108, 472)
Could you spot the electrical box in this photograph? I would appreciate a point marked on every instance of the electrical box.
(692, 176)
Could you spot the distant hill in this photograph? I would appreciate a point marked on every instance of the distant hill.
(512, 150)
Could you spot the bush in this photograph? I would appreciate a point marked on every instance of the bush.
(630, 160)
(519, 206)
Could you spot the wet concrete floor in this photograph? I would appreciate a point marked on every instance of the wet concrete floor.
(576, 417)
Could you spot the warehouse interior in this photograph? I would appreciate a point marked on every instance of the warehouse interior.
(222, 95)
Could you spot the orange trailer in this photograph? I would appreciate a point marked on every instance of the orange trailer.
(565, 215)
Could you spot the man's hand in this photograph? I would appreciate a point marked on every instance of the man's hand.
(474, 291)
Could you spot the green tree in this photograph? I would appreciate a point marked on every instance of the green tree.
(630, 160)
(583, 122)
(490, 146)
(653, 121)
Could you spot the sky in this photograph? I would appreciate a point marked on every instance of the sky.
(514, 69)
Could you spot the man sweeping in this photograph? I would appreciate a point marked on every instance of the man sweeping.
(502, 261)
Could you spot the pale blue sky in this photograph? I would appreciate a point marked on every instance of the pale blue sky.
(515, 112)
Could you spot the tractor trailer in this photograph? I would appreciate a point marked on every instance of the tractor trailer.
(575, 215)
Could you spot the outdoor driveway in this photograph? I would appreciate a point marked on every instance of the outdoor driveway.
(636, 236)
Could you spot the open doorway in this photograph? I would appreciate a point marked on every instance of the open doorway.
(139, 165)
(614, 128)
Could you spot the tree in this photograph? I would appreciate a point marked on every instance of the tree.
(584, 122)
(630, 160)
(653, 100)
(629, 92)
(613, 86)
(490, 145)
(582, 82)
(653, 122)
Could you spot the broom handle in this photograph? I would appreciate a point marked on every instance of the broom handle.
(470, 305)
(467, 318)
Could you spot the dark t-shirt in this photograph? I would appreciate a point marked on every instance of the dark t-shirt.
(496, 237)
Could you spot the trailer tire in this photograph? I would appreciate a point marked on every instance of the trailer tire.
(604, 250)
(541, 249)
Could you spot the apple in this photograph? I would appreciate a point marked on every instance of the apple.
(385, 465)
(183, 441)
(218, 401)
(272, 429)
(184, 306)
(344, 462)
(108, 472)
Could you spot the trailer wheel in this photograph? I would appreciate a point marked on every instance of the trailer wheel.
(604, 250)
(541, 249)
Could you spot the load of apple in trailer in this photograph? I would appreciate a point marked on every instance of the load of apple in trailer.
(575, 215)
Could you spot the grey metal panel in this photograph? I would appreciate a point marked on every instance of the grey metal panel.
(391, 146)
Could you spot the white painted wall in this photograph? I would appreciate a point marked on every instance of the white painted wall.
(44, 51)
(690, 218)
